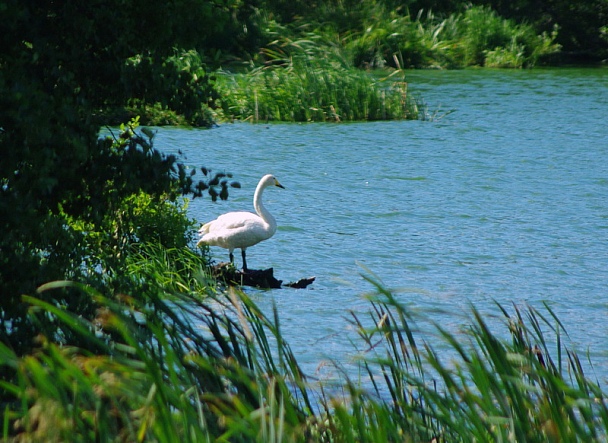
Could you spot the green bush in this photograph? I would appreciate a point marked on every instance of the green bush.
(489, 40)
(125, 193)
(172, 90)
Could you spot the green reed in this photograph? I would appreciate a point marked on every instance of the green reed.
(173, 358)
(483, 385)
(307, 90)
(177, 360)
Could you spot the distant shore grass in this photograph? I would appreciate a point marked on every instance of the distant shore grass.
(181, 361)
(476, 36)
(317, 74)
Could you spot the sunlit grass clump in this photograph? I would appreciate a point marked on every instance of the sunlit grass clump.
(182, 361)
(476, 37)
(312, 90)
(174, 361)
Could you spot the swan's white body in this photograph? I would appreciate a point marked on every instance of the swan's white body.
(242, 229)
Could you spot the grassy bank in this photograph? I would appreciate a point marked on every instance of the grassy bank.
(181, 360)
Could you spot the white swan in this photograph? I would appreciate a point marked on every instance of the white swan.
(242, 229)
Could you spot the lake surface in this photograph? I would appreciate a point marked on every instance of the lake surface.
(501, 196)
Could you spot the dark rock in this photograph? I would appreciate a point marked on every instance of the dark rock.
(257, 278)
(300, 284)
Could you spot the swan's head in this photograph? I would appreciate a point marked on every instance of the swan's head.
(270, 180)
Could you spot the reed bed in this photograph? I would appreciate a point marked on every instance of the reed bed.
(161, 366)
(515, 385)
(313, 91)
(181, 360)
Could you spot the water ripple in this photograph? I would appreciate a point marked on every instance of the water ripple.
(504, 199)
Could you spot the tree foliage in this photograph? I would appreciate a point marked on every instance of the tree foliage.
(68, 197)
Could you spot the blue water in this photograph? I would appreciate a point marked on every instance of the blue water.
(501, 195)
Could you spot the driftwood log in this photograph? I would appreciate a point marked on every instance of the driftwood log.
(257, 278)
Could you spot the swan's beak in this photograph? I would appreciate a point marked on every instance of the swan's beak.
(276, 183)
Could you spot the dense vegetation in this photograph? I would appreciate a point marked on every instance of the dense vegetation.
(581, 25)
(166, 365)
(314, 50)
(102, 298)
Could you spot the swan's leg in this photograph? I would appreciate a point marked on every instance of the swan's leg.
(231, 257)
(244, 260)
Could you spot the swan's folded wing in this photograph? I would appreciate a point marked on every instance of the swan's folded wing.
(231, 220)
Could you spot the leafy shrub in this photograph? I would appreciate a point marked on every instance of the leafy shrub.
(489, 40)
(125, 193)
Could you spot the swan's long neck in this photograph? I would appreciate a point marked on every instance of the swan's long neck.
(261, 209)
